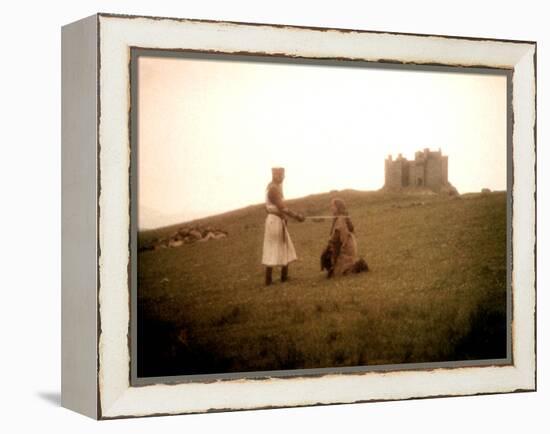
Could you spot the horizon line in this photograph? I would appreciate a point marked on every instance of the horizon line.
(380, 190)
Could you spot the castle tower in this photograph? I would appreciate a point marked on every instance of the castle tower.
(394, 172)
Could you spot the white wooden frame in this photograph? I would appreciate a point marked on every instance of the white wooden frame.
(96, 218)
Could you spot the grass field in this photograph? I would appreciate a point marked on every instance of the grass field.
(436, 290)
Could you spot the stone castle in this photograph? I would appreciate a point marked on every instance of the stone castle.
(428, 171)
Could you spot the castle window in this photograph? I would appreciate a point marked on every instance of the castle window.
(419, 181)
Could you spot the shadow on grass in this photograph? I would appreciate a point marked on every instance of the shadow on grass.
(486, 338)
(167, 349)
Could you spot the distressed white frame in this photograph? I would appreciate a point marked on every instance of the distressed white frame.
(116, 35)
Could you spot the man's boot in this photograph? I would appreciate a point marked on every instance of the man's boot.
(284, 273)
(268, 276)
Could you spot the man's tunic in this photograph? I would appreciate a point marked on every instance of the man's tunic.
(278, 248)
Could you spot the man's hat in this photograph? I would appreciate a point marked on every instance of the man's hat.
(277, 170)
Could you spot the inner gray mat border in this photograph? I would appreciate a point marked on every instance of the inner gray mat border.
(136, 52)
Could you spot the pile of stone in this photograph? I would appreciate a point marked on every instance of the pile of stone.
(187, 235)
(408, 204)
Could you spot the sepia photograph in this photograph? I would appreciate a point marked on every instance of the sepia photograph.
(297, 216)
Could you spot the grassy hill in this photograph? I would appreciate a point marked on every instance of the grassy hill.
(436, 290)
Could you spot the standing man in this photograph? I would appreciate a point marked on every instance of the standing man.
(278, 247)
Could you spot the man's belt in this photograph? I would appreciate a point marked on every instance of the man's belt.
(277, 213)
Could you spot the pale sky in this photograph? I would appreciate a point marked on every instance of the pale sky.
(209, 131)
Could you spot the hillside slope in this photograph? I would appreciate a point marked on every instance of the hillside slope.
(436, 290)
